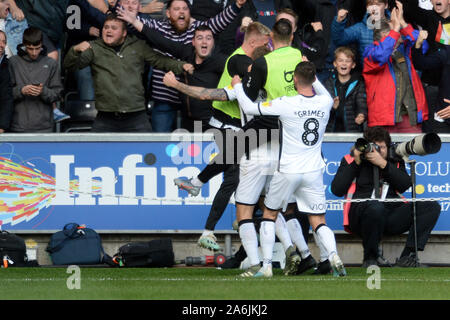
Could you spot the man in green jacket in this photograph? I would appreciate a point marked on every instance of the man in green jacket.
(117, 61)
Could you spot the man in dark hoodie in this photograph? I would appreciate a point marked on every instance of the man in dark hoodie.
(36, 85)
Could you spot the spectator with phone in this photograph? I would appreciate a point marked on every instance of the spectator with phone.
(36, 85)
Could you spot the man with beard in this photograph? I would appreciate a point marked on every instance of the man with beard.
(179, 27)
(201, 53)
(117, 61)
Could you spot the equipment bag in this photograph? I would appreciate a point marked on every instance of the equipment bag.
(76, 244)
(13, 251)
(154, 253)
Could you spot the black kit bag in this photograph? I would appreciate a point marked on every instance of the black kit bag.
(151, 254)
(13, 251)
(77, 245)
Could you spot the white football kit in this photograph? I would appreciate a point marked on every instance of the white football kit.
(302, 125)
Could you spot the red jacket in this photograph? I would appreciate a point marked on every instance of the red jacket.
(379, 76)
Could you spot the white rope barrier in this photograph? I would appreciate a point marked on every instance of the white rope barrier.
(201, 200)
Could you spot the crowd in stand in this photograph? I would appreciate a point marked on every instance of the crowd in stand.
(386, 63)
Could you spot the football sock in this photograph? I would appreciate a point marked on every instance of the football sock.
(323, 251)
(196, 182)
(249, 239)
(282, 232)
(326, 236)
(267, 238)
(207, 233)
(296, 233)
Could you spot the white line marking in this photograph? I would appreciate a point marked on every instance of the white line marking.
(283, 279)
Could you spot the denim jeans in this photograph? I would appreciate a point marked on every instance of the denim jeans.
(85, 84)
(164, 116)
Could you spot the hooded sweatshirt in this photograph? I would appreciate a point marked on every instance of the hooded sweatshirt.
(34, 114)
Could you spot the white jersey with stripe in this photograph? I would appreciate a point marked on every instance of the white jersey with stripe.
(302, 123)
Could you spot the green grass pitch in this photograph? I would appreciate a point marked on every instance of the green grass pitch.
(215, 284)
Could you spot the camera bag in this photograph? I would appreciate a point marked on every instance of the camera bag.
(13, 250)
(76, 245)
(151, 254)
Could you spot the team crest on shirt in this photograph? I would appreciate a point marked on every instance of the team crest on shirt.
(266, 104)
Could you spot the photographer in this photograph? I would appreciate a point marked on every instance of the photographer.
(372, 219)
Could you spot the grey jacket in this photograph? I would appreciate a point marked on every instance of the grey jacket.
(34, 114)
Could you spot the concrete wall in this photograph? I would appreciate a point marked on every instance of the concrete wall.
(349, 247)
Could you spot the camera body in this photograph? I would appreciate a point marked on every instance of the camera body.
(421, 145)
(364, 146)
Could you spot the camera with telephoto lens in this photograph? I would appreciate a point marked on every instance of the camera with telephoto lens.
(427, 143)
(364, 146)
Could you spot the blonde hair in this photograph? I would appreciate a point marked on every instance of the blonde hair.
(256, 28)
(345, 50)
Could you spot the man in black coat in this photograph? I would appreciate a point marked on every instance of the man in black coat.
(372, 219)
(432, 21)
(6, 95)
(324, 11)
(439, 118)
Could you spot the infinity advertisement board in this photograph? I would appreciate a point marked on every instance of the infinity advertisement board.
(124, 183)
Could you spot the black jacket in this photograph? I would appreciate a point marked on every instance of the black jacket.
(394, 174)
(353, 102)
(312, 44)
(6, 95)
(428, 20)
(437, 60)
(77, 35)
(206, 74)
(205, 9)
(323, 11)
(48, 16)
